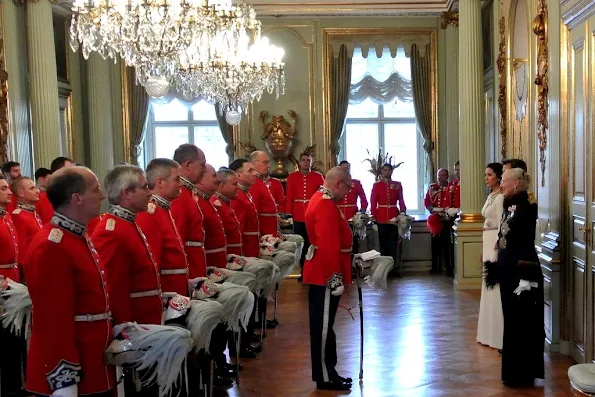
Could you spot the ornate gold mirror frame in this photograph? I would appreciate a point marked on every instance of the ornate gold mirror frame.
(327, 36)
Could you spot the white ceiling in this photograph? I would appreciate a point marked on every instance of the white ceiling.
(350, 7)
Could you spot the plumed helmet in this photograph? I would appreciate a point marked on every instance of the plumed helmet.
(434, 224)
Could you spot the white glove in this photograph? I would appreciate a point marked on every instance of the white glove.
(338, 291)
(525, 285)
(70, 391)
(452, 212)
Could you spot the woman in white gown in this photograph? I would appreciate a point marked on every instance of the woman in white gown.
(490, 326)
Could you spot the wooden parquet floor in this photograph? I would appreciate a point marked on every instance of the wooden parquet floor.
(419, 341)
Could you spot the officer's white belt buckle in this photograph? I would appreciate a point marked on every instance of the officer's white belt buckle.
(8, 266)
(169, 272)
(193, 244)
(89, 318)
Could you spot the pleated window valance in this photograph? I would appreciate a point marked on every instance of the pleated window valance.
(377, 43)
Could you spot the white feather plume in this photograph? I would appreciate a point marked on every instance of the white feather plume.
(299, 241)
(264, 271)
(203, 317)
(237, 302)
(16, 307)
(244, 278)
(285, 261)
(404, 225)
(378, 272)
(162, 350)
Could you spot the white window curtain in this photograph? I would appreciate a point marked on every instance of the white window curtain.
(382, 79)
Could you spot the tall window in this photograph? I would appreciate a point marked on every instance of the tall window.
(175, 123)
(373, 123)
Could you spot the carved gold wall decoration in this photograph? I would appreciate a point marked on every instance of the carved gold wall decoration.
(279, 137)
(247, 148)
(502, 96)
(449, 18)
(3, 106)
(541, 80)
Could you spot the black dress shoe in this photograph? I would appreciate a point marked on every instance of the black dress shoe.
(346, 380)
(271, 324)
(232, 367)
(247, 352)
(256, 347)
(333, 385)
(221, 381)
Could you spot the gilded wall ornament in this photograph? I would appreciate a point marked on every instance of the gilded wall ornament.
(449, 18)
(501, 64)
(4, 130)
(541, 80)
(279, 137)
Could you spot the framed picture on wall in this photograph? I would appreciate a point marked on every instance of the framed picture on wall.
(61, 40)
(66, 133)
(486, 34)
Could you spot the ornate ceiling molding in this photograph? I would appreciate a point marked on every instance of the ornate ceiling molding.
(293, 8)
(575, 12)
(449, 18)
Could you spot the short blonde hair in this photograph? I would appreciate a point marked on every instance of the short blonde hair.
(518, 174)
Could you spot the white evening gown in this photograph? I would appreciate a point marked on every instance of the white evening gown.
(490, 326)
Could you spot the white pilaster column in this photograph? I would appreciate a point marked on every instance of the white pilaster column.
(45, 122)
(468, 229)
(101, 140)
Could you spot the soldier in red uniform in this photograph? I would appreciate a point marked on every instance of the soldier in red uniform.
(262, 197)
(25, 217)
(244, 208)
(455, 187)
(327, 270)
(185, 210)
(43, 206)
(227, 191)
(11, 171)
(301, 185)
(163, 177)
(215, 241)
(349, 204)
(71, 308)
(13, 347)
(386, 193)
(277, 191)
(437, 200)
(132, 274)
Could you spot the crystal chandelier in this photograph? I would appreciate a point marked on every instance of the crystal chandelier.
(203, 48)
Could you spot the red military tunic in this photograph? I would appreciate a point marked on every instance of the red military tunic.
(27, 223)
(93, 224)
(348, 205)
(277, 191)
(44, 207)
(189, 220)
(437, 198)
(231, 224)
(132, 274)
(167, 247)
(385, 195)
(215, 241)
(9, 254)
(455, 193)
(330, 233)
(71, 327)
(266, 207)
(300, 187)
(248, 217)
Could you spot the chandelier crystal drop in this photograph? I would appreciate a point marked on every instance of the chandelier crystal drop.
(200, 48)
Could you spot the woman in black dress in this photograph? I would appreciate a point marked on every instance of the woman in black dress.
(521, 284)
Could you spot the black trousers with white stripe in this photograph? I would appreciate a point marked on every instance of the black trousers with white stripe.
(323, 342)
